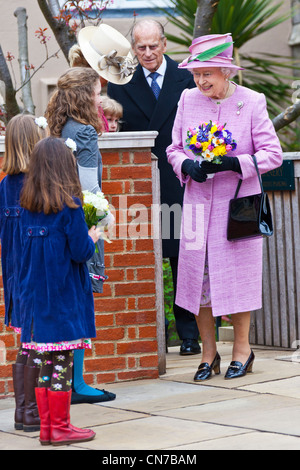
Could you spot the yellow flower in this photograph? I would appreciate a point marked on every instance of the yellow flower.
(205, 145)
(193, 140)
(214, 129)
(220, 150)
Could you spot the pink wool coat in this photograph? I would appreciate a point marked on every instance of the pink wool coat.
(235, 268)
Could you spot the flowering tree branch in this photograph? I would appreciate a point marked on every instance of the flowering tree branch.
(64, 35)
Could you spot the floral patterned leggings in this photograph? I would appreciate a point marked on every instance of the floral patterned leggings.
(56, 370)
(29, 357)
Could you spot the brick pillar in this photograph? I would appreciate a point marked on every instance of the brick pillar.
(129, 313)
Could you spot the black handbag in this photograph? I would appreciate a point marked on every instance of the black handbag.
(249, 216)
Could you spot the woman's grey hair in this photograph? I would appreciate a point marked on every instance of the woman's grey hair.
(143, 24)
(228, 72)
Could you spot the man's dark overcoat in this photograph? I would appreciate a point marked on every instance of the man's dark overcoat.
(142, 112)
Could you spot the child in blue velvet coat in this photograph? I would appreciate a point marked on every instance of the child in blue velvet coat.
(55, 290)
(22, 133)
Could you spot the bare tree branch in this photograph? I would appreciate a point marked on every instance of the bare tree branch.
(11, 106)
(289, 115)
(27, 100)
(204, 15)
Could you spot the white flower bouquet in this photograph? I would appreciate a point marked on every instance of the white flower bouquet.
(97, 212)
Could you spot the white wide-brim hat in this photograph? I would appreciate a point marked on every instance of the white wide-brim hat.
(108, 52)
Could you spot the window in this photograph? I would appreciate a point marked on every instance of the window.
(123, 8)
(126, 8)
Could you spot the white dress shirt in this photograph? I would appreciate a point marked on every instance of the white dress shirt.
(161, 70)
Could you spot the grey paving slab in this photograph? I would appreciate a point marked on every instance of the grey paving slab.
(262, 412)
(285, 387)
(246, 441)
(156, 432)
(154, 396)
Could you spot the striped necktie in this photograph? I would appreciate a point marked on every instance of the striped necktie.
(154, 85)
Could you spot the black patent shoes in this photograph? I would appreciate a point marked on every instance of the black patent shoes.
(205, 370)
(237, 369)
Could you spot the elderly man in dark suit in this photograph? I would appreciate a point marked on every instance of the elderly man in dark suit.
(150, 102)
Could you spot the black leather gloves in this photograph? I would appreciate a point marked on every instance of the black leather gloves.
(189, 167)
(228, 163)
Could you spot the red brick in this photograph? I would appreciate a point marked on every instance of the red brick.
(110, 334)
(146, 302)
(126, 158)
(104, 349)
(149, 361)
(142, 187)
(110, 158)
(144, 244)
(147, 332)
(102, 320)
(105, 364)
(138, 374)
(136, 347)
(105, 378)
(135, 288)
(134, 259)
(136, 318)
(145, 273)
(142, 157)
(112, 187)
(130, 172)
(110, 305)
(131, 362)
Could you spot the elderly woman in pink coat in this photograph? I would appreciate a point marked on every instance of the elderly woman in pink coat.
(215, 276)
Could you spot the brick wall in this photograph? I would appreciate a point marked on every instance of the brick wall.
(127, 345)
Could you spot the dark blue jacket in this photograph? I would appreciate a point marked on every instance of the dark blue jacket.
(142, 112)
(10, 235)
(56, 295)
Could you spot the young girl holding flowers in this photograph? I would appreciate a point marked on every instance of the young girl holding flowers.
(22, 133)
(55, 291)
(72, 112)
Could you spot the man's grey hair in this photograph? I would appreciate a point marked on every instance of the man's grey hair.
(143, 24)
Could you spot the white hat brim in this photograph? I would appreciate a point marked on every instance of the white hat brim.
(110, 74)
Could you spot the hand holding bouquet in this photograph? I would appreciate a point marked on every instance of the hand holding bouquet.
(97, 212)
(210, 141)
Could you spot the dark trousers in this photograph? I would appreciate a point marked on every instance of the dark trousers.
(186, 325)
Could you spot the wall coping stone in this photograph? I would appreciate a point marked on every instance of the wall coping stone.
(117, 140)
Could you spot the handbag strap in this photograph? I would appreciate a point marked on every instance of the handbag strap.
(259, 178)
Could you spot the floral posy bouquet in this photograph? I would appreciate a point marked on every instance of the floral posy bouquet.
(96, 211)
(210, 141)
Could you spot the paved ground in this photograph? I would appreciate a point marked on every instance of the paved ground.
(172, 413)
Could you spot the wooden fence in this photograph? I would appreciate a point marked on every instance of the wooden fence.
(278, 322)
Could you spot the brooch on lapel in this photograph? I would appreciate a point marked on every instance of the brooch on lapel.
(239, 106)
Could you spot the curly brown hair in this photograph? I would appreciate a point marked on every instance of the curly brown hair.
(52, 179)
(74, 98)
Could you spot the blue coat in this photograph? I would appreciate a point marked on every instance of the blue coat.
(56, 294)
(10, 235)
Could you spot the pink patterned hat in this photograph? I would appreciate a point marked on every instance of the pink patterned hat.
(214, 50)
